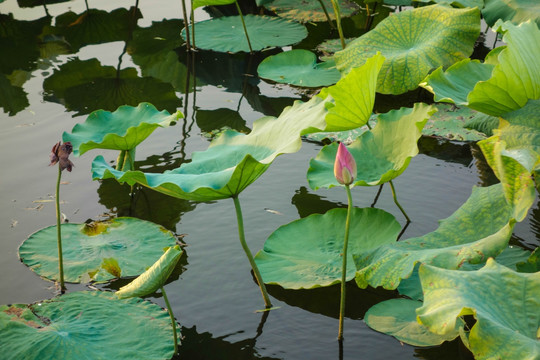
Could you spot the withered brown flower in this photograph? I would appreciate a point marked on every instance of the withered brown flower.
(60, 154)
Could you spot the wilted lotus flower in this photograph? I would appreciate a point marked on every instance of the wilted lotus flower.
(60, 153)
(345, 166)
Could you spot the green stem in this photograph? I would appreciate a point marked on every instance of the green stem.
(173, 322)
(396, 201)
(59, 231)
(327, 15)
(242, 237)
(344, 266)
(120, 160)
(337, 13)
(192, 26)
(186, 24)
(244, 25)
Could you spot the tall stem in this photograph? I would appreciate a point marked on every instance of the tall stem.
(173, 322)
(244, 25)
(192, 21)
(337, 13)
(327, 15)
(344, 266)
(120, 160)
(59, 231)
(396, 201)
(242, 238)
(186, 24)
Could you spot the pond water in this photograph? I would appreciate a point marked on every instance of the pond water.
(213, 295)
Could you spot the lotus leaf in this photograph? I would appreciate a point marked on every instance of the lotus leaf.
(458, 3)
(134, 243)
(199, 3)
(516, 11)
(153, 278)
(506, 308)
(347, 137)
(233, 160)
(310, 10)
(520, 129)
(354, 96)
(122, 129)
(414, 42)
(480, 228)
(298, 67)
(381, 154)
(495, 87)
(531, 264)
(397, 317)
(226, 34)
(85, 325)
(306, 253)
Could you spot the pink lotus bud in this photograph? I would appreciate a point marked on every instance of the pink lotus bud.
(345, 166)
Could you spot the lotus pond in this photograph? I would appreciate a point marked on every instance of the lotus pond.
(190, 151)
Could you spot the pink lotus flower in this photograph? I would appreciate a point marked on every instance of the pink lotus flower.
(345, 166)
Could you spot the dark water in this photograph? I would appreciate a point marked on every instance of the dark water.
(213, 294)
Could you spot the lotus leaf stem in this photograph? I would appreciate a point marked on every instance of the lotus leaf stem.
(396, 201)
(327, 15)
(337, 13)
(192, 19)
(59, 231)
(244, 25)
(242, 238)
(120, 160)
(186, 24)
(344, 263)
(173, 321)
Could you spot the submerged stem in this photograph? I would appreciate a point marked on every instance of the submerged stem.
(396, 201)
(173, 322)
(59, 231)
(244, 25)
(344, 265)
(242, 238)
(337, 13)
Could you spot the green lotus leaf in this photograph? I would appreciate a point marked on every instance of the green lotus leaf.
(397, 317)
(153, 278)
(347, 137)
(457, 3)
(199, 3)
(298, 67)
(497, 86)
(506, 308)
(85, 325)
(516, 11)
(331, 46)
(310, 10)
(480, 228)
(306, 253)
(520, 129)
(122, 129)
(414, 42)
(531, 264)
(226, 34)
(233, 160)
(354, 96)
(381, 154)
(134, 243)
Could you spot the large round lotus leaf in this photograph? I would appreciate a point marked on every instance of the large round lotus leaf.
(306, 253)
(311, 10)
(516, 11)
(505, 304)
(397, 317)
(85, 325)
(506, 83)
(226, 34)
(122, 129)
(381, 154)
(414, 42)
(135, 244)
(153, 278)
(354, 96)
(233, 160)
(480, 228)
(298, 67)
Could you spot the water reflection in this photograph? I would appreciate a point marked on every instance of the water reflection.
(308, 203)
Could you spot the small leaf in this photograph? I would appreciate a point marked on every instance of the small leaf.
(111, 266)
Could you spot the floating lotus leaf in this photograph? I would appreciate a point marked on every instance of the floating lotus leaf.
(354, 96)
(381, 154)
(85, 325)
(397, 317)
(516, 11)
(414, 42)
(457, 3)
(134, 243)
(226, 34)
(500, 86)
(329, 47)
(122, 129)
(233, 161)
(310, 10)
(306, 253)
(298, 67)
(480, 228)
(506, 308)
(531, 264)
(153, 278)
